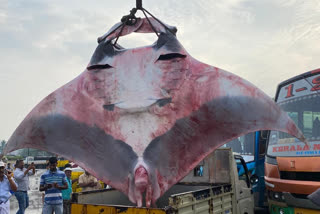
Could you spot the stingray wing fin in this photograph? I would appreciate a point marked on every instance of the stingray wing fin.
(225, 106)
(70, 124)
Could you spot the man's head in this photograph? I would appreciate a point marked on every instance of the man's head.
(4, 159)
(53, 164)
(1, 168)
(68, 172)
(86, 172)
(68, 165)
(19, 164)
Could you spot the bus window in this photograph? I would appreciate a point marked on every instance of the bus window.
(244, 146)
(248, 143)
(235, 145)
(311, 124)
(316, 127)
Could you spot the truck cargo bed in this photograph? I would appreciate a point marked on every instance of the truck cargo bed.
(217, 190)
(181, 198)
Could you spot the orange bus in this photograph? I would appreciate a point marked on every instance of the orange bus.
(292, 168)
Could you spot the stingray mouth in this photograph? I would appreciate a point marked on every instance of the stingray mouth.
(138, 106)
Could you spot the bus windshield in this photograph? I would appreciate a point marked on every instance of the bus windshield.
(301, 100)
(244, 146)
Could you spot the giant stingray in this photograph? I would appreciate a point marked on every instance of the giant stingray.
(140, 119)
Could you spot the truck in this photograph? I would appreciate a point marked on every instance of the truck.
(214, 186)
(40, 162)
(252, 147)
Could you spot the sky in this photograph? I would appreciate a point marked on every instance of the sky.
(46, 43)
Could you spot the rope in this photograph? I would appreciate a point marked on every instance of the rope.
(104, 37)
(159, 22)
(123, 24)
(154, 30)
(130, 19)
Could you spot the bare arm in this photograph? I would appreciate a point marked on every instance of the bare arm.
(13, 185)
(82, 183)
(75, 180)
(29, 168)
(44, 187)
(64, 186)
(34, 170)
(85, 184)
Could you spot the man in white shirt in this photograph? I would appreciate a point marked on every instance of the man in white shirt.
(21, 176)
(87, 182)
(7, 185)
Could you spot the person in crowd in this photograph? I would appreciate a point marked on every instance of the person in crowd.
(4, 160)
(316, 127)
(66, 193)
(9, 168)
(87, 182)
(7, 184)
(21, 176)
(68, 165)
(53, 181)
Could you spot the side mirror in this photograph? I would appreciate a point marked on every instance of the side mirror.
(254, 179)
(244, 165)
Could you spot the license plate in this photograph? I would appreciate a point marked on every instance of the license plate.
(305, 211)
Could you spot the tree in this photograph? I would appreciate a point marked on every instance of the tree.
(2, 144)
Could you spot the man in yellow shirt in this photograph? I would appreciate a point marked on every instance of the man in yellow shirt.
(87, 182)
